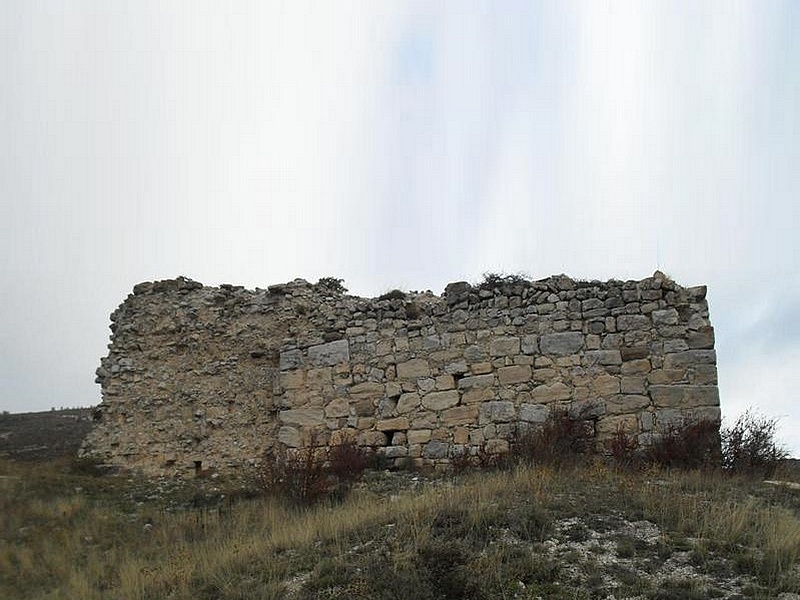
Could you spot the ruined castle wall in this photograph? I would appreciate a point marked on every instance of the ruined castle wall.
(200, 377)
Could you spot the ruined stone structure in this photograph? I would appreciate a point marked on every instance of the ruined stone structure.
(199, 377)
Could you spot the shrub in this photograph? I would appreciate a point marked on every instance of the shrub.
(311, 474)
(332, 284)
(749, 446)
(497, 281)
(393, 295)
(687, 444)
(347, 462)
(624, 448)
(561, 439)
(296, 475)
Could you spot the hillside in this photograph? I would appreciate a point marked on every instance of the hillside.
(43, 435)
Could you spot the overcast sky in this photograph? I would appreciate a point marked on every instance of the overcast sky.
(396, 145)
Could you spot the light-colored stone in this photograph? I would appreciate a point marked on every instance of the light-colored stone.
(460, 415)
(632, 322)
(396, 424)
(514, 374)
(440, 400)
(419, 436)
(340, 407)
(627, 403)
(367, 389)
(293, 380)
(290, 436)
(476, 381)
(497, 411)
(551, 393)
(303, 416)
(407, 403)
(665, 317)
(534, 413)
(435, 449)
(561, 344)
(504, 346)
(636, 367)
(690, 358)
(684, 396)
(329, 354)
(291, 359)
(413, 369)
(602, 357)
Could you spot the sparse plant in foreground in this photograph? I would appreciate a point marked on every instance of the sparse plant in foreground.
(313, 473)
(687, 445)
(624, 448)
(749, 446)
(561, 439)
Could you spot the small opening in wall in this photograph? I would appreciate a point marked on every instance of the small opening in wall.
(198, 467)
(457, 377)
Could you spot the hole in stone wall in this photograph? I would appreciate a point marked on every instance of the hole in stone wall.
(198, 467)
(389, 435)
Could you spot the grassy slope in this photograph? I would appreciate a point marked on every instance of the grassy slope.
(528, 533)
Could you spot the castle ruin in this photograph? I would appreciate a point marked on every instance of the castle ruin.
(210, 377)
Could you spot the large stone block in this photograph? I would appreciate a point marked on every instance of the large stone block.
(366, 390)
(419, 436)
(534, 413)
(684, 396)
(498, 411)
(627, 403)
(703, 338)
(561, 344)
(290, 436)
(551, 393)
(327, 355)
(631, 322)
(690, 358)
(460, 415)
(602, 357)
(415, 368)
(302, 416)
(665, 317)
(476, 381)
(504, 346)
(290, 359)
(440, 400)
(407, 403)
(337, 408)
(435, 449)
(514, 374)
(396, 424)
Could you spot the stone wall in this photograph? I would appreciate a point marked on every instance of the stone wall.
(199, 377)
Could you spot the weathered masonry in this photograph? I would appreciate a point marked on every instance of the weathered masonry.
(199, 377)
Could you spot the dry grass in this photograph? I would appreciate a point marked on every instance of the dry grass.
(64, 536)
